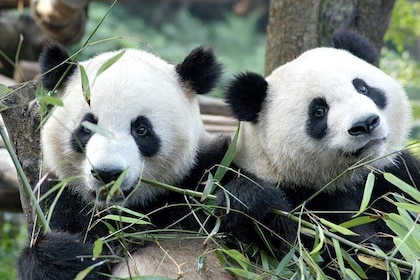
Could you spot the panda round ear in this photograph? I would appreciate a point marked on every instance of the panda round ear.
(200, 70)
(356, 44)
(246, 94)
(51, 57)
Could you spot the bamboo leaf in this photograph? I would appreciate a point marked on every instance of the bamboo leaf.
(228, 157)
(354, 265)
(340, 260)
(82, 274)
(237, 257)
(4, 90)
(51, 100)
(97, 129)
(85, 84)
(358, 221)
(109, 62)
(370, 182)
(208, 187)
(244, 273)
(97, 247)
(127, 220)
(403, 186)
(320, 244)
(130, 212)
(337, 228)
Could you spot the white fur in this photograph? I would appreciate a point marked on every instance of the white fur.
(139, 83)
(279, 149)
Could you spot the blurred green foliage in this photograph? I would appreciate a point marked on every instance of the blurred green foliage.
(12, 239)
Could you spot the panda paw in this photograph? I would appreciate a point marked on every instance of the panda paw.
(57, 255)
(246, 205)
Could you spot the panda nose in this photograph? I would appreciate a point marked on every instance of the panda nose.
(365, 127)
(106, 176)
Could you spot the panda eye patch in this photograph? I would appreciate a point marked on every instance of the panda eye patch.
(145, 137)
(377, 95)
(316, 124)
(81, 136)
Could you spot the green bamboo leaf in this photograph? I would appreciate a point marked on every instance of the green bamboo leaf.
(340, 260)
(351, 274)
(130, 212)
(51, 100)
(208, 187)
(97, 129)
(282, 266)
(228, 157)
(358, 221)
(244, 273)
(127, 220)
(337, 228)
(405, 249)
(82, 274)
(402, 186)
(354, 265)
(237, 257)
(97, 247)
(116, 186)
(370, 182)
(4, 90)
(85, 84)
(109, 62)
(320, 244)
(408, 206)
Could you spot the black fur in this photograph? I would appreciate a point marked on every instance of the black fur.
(55, 250)
(51, 57)
(375, 94)
(200, 70)
(317, 125)
(407, 170)
(81, 135)
(145, 137)
(356, 44)
(249, 195)
(246, 95)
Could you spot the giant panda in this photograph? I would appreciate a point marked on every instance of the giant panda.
(144, 123)
(147, 125)
(310, 125)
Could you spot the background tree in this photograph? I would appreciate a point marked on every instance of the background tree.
(296, 26)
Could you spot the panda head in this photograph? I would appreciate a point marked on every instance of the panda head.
(320, 114)
(146, 114)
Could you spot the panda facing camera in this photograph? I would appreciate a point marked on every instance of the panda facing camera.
(141, 120)
(323, 121)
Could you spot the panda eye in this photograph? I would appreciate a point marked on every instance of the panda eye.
(320, 112)
(141, 130)
(362, 89)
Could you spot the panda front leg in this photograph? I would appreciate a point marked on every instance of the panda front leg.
(63, 252)
(249, 213)
(59, 255)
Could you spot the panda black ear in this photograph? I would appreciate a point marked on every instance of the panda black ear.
(200, 70)
(52, 56)
(246, 94)
(356, 44)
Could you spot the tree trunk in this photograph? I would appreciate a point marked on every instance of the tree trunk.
(296, 26)
(20, 115)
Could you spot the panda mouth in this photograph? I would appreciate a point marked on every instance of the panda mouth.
(107, 194)
(364, 149)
